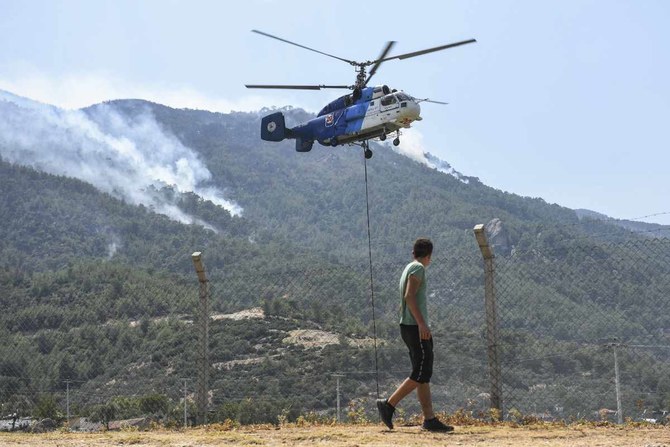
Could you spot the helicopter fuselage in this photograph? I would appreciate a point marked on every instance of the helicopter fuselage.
(369, 112)
(375, 112)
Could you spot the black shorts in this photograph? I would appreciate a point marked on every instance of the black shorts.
(420, 353)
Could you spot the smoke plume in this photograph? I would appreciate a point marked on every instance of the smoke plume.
(413, 147)
(128, 158)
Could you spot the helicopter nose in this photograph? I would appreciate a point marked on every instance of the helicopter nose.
(416, 108)
(412, 109)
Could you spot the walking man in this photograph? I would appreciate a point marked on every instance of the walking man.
(415, 332)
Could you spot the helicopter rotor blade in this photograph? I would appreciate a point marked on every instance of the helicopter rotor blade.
(296, 87)
(302, 46)
(379, 60)
(434, 102)
(429, 50)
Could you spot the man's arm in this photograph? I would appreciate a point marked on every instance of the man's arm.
(413, 284)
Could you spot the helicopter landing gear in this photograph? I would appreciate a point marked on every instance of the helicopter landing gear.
(396, 142)
(366, 150)
(382, 137)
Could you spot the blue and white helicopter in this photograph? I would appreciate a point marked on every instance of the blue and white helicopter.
(367, 113)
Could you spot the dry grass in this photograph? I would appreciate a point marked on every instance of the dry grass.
(576, 435)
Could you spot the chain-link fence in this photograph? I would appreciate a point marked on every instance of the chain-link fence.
(564, 314)
(101, 341)
(290, 340)
(315, 328)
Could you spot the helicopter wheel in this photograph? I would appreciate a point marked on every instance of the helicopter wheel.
(366, 150)
(396, 142)
(382, 137)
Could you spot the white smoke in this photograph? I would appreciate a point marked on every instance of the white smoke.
(114, 242)
(130, 159)
(412, 146)
(75, 91)
(112, 248)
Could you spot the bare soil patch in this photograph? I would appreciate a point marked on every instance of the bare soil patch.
(356, 435)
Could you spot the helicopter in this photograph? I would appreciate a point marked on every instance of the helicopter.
(366, 113)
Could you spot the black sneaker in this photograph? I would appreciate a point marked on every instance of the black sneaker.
(386, 411)
(436, 425)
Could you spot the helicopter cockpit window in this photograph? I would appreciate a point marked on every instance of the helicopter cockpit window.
(388, 100)
(403, 97)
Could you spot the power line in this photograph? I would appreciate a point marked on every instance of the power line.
(664, 213)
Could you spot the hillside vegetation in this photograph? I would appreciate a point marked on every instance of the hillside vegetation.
(101, 292)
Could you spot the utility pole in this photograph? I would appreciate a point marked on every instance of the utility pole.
(185, 396)
(619, 410)
(203, 340)
(337, 376)
(67, 400)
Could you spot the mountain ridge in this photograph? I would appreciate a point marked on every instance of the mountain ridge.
(78, 264)
(135, 107)
(219, 158)
(635, 226)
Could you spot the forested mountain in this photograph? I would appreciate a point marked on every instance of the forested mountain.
(101, 209)
(314, 200)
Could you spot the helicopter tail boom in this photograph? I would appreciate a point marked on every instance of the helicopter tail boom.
(273, 128)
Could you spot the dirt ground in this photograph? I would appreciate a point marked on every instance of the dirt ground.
(354, 435)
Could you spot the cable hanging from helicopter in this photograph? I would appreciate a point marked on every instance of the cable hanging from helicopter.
(367, 113)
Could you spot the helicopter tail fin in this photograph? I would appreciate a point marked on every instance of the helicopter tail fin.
(273, 127)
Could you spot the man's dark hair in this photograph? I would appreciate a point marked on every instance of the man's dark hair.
(422, 247)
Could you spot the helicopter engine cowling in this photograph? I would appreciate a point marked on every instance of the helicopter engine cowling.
(356, 112)
(273, 127)
(303, 145)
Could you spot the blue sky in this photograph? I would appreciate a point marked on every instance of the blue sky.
(565, 100)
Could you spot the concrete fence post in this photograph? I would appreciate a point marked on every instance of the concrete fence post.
(492, 332)
(202, 396)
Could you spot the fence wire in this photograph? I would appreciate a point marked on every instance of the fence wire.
(90, 344)
(563, 312)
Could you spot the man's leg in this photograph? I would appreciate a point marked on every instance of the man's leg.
(426, 400)
(386, 407)
(403, 390)
(430, 422)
